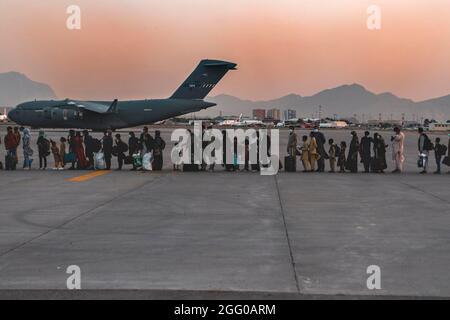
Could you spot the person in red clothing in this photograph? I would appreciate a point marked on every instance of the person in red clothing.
(11, 143)
(79, 151)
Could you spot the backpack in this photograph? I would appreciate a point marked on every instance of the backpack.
(428, 145)
(442, 150)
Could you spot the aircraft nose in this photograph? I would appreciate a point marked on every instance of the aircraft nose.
(12, 115)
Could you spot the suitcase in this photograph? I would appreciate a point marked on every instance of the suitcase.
(70, 157)
(290, 164)
(190, 167)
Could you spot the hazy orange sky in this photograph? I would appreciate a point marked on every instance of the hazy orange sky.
(146, 48)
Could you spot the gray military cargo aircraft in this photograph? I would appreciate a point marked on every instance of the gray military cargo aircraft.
(103, 115)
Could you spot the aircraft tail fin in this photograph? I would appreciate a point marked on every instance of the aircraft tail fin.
(203, 79)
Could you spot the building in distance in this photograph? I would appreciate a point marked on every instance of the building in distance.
(274, 114)
(259, 114)
(289, 114)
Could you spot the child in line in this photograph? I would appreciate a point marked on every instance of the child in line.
(439, 151)
(56, 156)
(341, 158)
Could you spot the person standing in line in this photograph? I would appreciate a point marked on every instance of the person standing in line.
(246, 153)
(72, 147)
(89, 149)
(11, 149)
(120, 149)
(43, 150)
(203, 165)
(448, 150)
(146, 140)
(292, 143)
(320, 142)
(365, 150)
(18, 140)
(56, 156)
(439, 151)
(352, 158)
(379, 148)
(226, 144)
(235, 156)
(107, 142)
(148, 144)
(133, 145)
(27, 151)
(341, 158)
(314, 155)
(142, 136)
(212, 165)
(398, 141)
(62, 151)
(332, 153)
(304, 149)
(213, 154)
(425, 146)
(79, 151)
(158, 147)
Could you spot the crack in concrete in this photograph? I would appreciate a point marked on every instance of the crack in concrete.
(60, 226)
(287, 236)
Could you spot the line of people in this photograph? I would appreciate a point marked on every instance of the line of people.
(81, 151)
(370, 150)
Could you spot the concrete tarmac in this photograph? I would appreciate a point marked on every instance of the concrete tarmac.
(224, 234)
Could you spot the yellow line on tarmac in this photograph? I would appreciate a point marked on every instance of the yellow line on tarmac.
(89, 176)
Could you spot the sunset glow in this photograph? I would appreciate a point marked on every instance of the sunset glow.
(137, 49)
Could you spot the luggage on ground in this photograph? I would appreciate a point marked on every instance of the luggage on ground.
(147, 161)
(422, 161)
(137, 160)
(99, 161)
(290, 164)
(70, 157)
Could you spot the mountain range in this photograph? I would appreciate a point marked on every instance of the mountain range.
(343, 101)
(16, 87)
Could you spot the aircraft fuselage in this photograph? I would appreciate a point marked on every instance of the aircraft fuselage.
(57, 114)
(103, 115)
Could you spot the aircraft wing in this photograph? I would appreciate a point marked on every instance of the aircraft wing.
(94, 106)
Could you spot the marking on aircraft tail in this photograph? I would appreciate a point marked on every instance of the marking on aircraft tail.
(89, 176)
